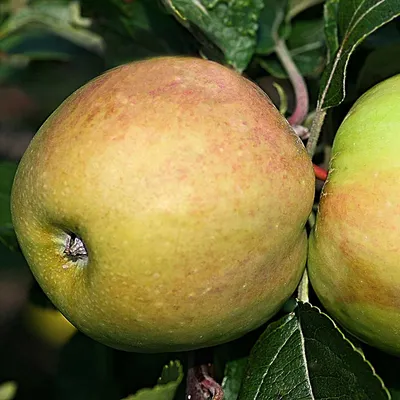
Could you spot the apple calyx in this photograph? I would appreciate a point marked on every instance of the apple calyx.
(75, 248)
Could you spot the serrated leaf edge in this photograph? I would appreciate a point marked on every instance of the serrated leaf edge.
(357, 350)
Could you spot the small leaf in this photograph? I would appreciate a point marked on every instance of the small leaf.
(166, 387)
(231, 26)
(233, 376)
(355, 20)
(8, 390)
(305, 356)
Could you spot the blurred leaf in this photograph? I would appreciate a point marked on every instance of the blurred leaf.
(233, 376)
(8, 390)
(395, 394)
(166, 387)
(61, 18)
(37, 44)
(355, 20)
(86, 371)
(307, 48)
(305, 356)
(231, 26)
(298, 6)
(48, 83)
(272, 25)
(138, 29)
(11, 259)
(7, 172)
(379, 65)
(7, 69)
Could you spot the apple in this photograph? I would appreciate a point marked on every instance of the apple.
(47, 324)
(354, 248)
(162, 206)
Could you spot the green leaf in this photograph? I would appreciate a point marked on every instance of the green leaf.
(355, 20)
(272, 25)
(37, 44)
(307, 48)
(305, 356)
(230, 25)
(233, 376)
(331, 27)
(61, 18)
(138, 29)
(166, 387)
(8, 390)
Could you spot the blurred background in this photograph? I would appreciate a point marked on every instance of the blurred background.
(48, 49)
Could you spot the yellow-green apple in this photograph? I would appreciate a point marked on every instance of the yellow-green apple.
(354, 254)
(163, 205)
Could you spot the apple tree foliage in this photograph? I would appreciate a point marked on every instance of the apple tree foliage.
(332, 51)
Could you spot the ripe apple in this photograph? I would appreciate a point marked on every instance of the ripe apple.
(162, 206)
(354, 249)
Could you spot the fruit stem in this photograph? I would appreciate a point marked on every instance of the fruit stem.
(298, 83)
(315, 130)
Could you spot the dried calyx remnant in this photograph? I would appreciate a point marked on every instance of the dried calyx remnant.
(74, 248)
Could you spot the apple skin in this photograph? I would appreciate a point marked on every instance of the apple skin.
(190, 192)
(354, 251)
